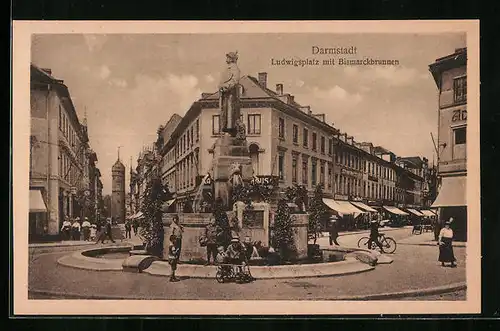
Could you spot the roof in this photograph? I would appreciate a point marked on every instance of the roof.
(118, 165)
(38, 75)
(454, 60)
(413, 160)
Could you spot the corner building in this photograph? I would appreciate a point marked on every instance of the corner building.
(450, 76)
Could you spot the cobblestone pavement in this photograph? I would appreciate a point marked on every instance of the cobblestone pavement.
(414, 267)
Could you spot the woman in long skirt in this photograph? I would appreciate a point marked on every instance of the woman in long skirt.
(445, 245)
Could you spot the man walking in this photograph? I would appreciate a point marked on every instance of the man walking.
(107, 232)
(128, 229)
(333, 231)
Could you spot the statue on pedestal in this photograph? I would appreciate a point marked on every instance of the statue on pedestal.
(229, 88)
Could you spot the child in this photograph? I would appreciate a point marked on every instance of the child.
(222, 258)
(173, 257)
(93, 232)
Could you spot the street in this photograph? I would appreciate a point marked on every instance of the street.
(415, 267)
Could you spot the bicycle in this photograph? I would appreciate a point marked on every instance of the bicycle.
(388, 243)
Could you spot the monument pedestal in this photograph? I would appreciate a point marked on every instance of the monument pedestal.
(227, 152)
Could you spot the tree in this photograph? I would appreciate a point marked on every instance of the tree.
(283, 239)
(298, 195)
(317, 211)
(152, 208)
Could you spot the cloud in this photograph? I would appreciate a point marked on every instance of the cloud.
(104, 72)
(94, 42)
(336, 95)
(118, 82)
(209, 79)
(389, 75)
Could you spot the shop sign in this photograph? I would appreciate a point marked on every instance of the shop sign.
(459, 115)
(265, 180)
(350, 173)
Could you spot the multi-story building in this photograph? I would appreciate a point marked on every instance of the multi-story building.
(95, 187)
(450, 76)
(289, 143)
(59, 156)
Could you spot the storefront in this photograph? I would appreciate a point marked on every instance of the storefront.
(452, 203)
(346, 211)
(38, 225)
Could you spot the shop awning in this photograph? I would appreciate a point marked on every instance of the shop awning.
(342, 207)
(167, 204)
(427, 213)
(452, 192)
(37, 205)
(363, 206)
(415, 212)
(395, 210)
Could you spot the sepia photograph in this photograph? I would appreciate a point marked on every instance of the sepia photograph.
(215, 165)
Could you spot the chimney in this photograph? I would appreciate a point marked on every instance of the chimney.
(263, 79)
(279, 89)
(47, 71)
(321, 117)
(291, 99)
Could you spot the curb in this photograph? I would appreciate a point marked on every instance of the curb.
(430, 244)
(381, 296)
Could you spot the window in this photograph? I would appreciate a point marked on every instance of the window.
(254, 156)
(335, 183)
(364, 166)
(187, 137)
(314, 141)
(192, 135)
(330, 146)
(349, 159)
(281, 128)
(322, 145)
(281, 166)
(60, 117)
(460, 89)
(215, 124)
(322, 174)
(329, 176)
(254, 124)
(304, 172)
(294, 170)
(313, 173)
(305, 137)
(295, 134)
(197, 130)
(460, 136)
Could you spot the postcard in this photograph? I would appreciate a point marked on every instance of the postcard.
(172, 168)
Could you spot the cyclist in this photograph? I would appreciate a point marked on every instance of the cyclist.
(374, 234)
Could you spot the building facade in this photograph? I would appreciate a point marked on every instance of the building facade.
(450, 76)
(289, 143)
(60, 157)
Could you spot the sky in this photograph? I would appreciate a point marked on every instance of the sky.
(129, 85)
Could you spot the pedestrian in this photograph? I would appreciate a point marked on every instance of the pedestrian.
(374, 235)
(436, 227)
(135, 226)
(176, 229)
(211, 231)
(75, 229)
(66, 228)
(445, 242)
(107, 232)
(128, 229)
(333, 231)
(86, 229)
(173, 257)
(236, 253)
(93, 232)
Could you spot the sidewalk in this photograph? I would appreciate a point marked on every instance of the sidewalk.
(348, 233)
(426, 239)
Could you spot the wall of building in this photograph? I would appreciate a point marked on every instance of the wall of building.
(452, 116)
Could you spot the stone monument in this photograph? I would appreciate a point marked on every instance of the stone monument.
(232, 163)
